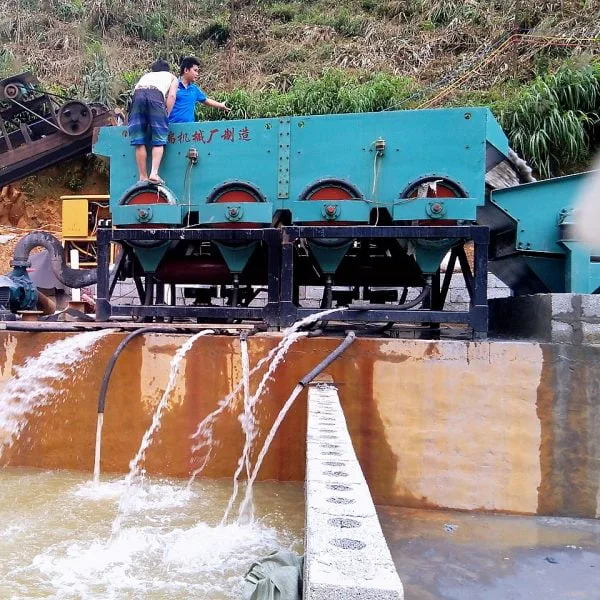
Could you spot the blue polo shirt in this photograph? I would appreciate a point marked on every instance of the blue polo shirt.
(185, 103)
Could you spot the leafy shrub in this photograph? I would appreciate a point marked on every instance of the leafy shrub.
(69, 10)
(333, 92)
(98, 80)
(283, 12)
(150, 27)
(553, 121)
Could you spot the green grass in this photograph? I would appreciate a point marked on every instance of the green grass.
(554, 121)
(333, 92)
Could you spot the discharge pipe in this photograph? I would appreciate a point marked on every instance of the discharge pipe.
(104, 388)
(73, 278)
(348, 340)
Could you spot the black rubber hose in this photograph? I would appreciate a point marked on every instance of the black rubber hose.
(115, 356)
(348, 340)
(73, 278)
(424, 293)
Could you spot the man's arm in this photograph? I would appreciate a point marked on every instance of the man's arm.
(215, 104)
(171, 95)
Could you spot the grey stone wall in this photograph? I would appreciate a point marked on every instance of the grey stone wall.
(560, 318)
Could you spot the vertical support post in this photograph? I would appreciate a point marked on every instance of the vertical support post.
(577, 268)
(288, 311)
(74, 258)
(479, 306)
(103, 309)
(273, 239)
(160, 299)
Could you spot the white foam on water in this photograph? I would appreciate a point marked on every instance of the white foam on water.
(201, 561)
(160, 553)
(33, 384)
(146, 496)
(128, 499)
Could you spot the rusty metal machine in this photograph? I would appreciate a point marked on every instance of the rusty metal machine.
(39, 129)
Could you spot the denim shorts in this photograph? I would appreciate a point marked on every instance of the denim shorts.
(148, 121)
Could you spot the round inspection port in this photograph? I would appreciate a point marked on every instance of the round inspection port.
(347, 543)
(344, 523)
(339, 500)
(339, 487)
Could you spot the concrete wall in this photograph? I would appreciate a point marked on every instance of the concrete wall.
(345, 552)
(506, 426)
(560, 318)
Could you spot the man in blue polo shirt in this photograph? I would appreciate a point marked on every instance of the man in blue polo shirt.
(188, 93)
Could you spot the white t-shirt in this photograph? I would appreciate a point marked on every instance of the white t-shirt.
(159, 79)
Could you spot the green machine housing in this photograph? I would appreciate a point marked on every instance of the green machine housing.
(366, 206)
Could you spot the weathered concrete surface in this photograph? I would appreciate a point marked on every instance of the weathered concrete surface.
(499, 426)
(556, 318)
(345, 553)
(442, 555)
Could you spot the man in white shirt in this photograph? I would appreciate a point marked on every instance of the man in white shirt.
(153, 99)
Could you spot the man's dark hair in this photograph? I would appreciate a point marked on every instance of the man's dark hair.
(187, 63)
(160, 65)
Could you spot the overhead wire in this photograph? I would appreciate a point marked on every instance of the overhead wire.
(483, 56)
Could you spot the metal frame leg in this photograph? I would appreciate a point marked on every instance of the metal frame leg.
(479, 305)
(103, 307)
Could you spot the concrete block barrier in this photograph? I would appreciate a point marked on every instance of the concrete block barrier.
(346, 555)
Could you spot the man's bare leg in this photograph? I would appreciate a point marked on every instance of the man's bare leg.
(140, 158)
(157, 154)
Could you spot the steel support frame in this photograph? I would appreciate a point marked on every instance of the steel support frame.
(476, 317)
(281, 309)
(269, 313)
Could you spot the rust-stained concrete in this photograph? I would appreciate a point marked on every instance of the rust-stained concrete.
(500, 426)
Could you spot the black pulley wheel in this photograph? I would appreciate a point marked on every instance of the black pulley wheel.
(74, 118)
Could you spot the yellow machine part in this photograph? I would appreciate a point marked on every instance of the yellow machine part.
(75, 211)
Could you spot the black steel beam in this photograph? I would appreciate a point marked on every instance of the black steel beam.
(282, 308)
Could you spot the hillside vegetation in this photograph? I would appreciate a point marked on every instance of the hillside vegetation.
(270, 58)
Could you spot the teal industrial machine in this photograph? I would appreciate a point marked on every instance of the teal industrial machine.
(534, 247)
(363, 207)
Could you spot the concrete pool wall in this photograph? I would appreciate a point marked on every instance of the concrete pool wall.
(495, 425)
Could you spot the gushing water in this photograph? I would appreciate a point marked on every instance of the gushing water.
(32, 385)
(249, 421)
(247, 502)
(205, 427)
(252, 403)
(134, 465)
(55, 537)
(247, 418)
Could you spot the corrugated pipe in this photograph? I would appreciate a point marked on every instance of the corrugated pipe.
(73, 278)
